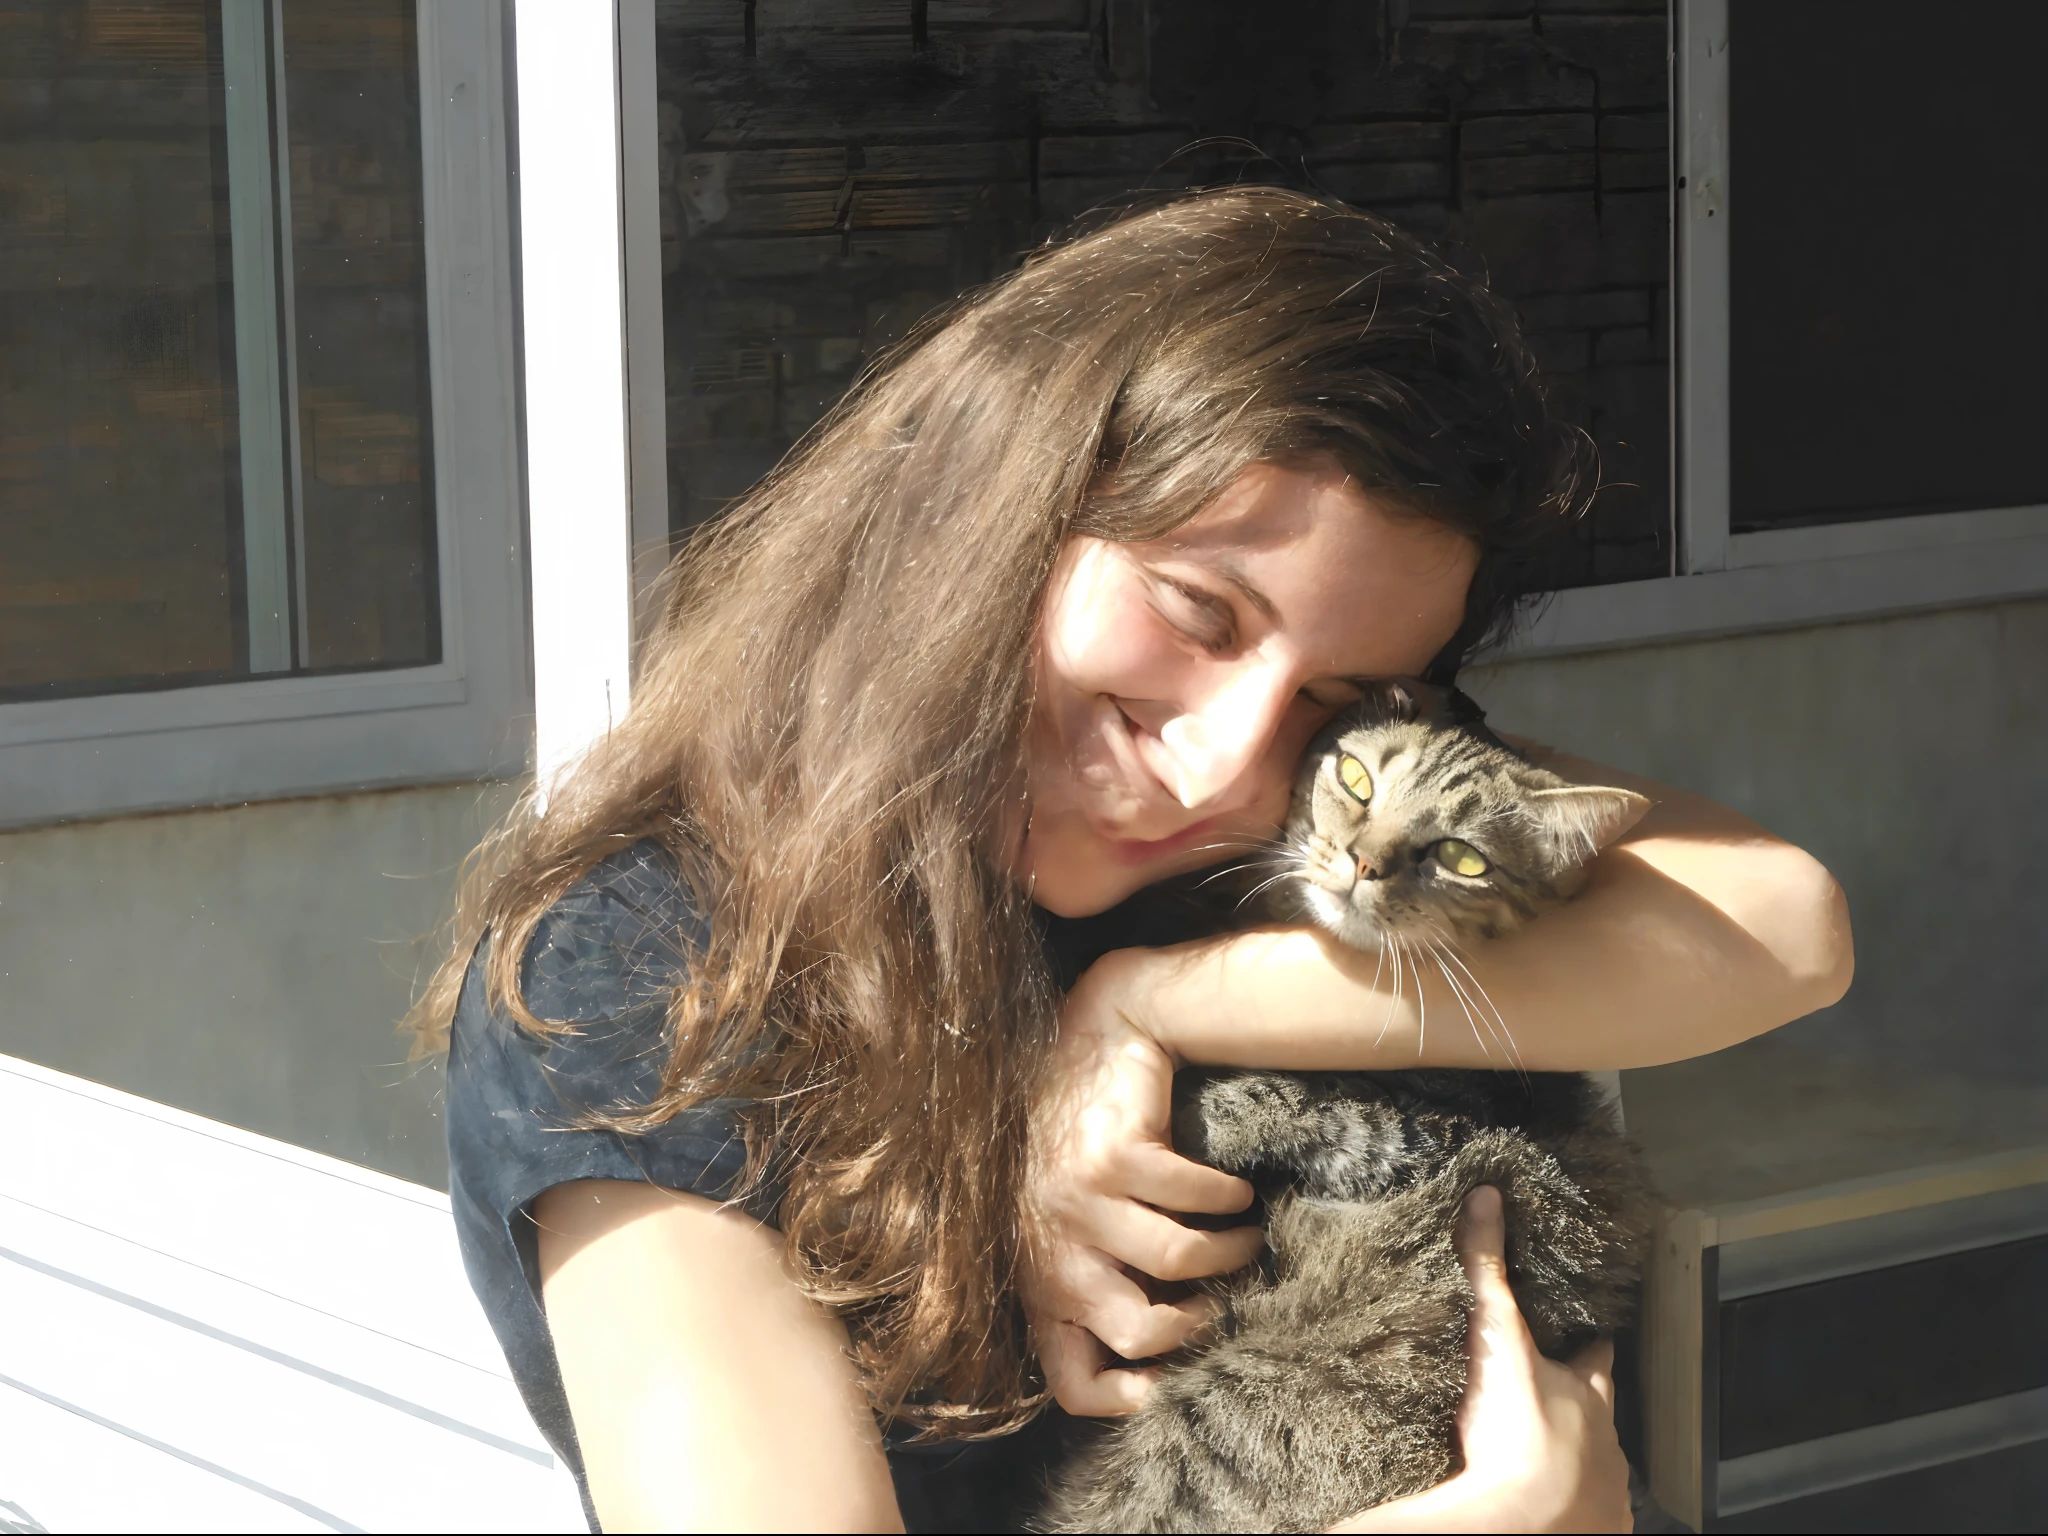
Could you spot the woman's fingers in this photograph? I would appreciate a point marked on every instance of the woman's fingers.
(1142, 1331)
(1074, 1373)
(1100, 1297)
(1481, 1238)
(1158, 1175)
(1145, 1239)
(1482, 1241)
(1102, 1178)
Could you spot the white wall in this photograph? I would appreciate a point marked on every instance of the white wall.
(1909, 754)
(248, 964)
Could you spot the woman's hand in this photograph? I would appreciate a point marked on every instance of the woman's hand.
(1103, 1171)
(1538, 1437)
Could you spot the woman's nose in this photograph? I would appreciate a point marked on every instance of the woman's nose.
(1214, 747)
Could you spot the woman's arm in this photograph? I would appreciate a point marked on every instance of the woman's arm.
(708, 1393)
(1697, 930)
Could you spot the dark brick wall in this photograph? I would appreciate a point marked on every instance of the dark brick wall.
(832, 168)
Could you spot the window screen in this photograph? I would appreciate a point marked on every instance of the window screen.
(1888, 187)
(213, 403)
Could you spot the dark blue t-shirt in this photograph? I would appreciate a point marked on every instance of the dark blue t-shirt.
(607, 956)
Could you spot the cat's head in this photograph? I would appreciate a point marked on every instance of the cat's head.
(1410, 819)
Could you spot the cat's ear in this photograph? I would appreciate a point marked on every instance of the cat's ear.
(1581, 819)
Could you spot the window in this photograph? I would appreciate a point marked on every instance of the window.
(1886, 307)
(831, 173)
(218, 351)
(1858, 241)
(255, 431)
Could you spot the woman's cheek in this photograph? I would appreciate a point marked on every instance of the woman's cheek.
(1113, 644)
(1277, 767)
(1297, 727)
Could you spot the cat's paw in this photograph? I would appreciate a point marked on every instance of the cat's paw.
(1328, 1135)
(1236, 1121)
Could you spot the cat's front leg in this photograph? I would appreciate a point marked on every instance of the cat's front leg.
(1331, 1135)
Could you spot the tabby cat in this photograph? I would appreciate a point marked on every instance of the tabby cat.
(1334, 1380)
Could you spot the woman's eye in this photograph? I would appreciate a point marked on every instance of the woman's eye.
(1461, 858)
(1355, 778)
(1205, 619)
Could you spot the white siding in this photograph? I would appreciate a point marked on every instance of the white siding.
(208, 1329)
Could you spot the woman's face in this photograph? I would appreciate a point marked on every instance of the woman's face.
(1180, 680)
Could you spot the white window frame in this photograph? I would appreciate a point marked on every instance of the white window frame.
(468, 716)
(1728, 583)
(596, 413)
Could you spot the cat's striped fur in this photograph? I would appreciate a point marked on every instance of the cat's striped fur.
(1335, 1380)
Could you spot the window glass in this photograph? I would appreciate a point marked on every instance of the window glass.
(1887, 241)
(831, 173)
(213, 402)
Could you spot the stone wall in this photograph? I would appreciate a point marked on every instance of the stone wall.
(833, 168)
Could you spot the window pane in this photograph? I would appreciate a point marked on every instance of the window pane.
(1888, 238)
(164, 522)
(358, 248)
(830, 173)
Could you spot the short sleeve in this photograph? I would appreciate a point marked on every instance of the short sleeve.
(607, 958)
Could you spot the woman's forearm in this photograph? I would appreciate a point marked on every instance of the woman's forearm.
(1697, 931)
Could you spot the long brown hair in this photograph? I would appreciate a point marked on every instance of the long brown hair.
(826, 730)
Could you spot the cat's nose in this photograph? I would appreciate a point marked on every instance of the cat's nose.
(1365, 869)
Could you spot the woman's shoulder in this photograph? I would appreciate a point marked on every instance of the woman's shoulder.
(528, 1108)
(617, 941)
(599, 971)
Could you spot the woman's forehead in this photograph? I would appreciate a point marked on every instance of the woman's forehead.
(1370, 589)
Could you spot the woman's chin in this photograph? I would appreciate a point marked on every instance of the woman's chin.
(1076, 892)
(1072, 872)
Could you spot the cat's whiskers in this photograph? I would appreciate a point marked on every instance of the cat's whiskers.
(1506, 1034)
(1267, 845)
(1271, 853)
(1237, 869)
(1438, 949)
(1465, 1002)
(1269, 881)
(1435, 947)
(1390, 946)
(1421, 1003)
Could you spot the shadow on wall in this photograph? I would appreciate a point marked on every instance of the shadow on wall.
(1908, 755)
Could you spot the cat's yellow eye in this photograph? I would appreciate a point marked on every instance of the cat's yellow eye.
(1351, 773)
(1461, 858)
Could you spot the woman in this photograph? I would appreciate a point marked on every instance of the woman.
(860, 904)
